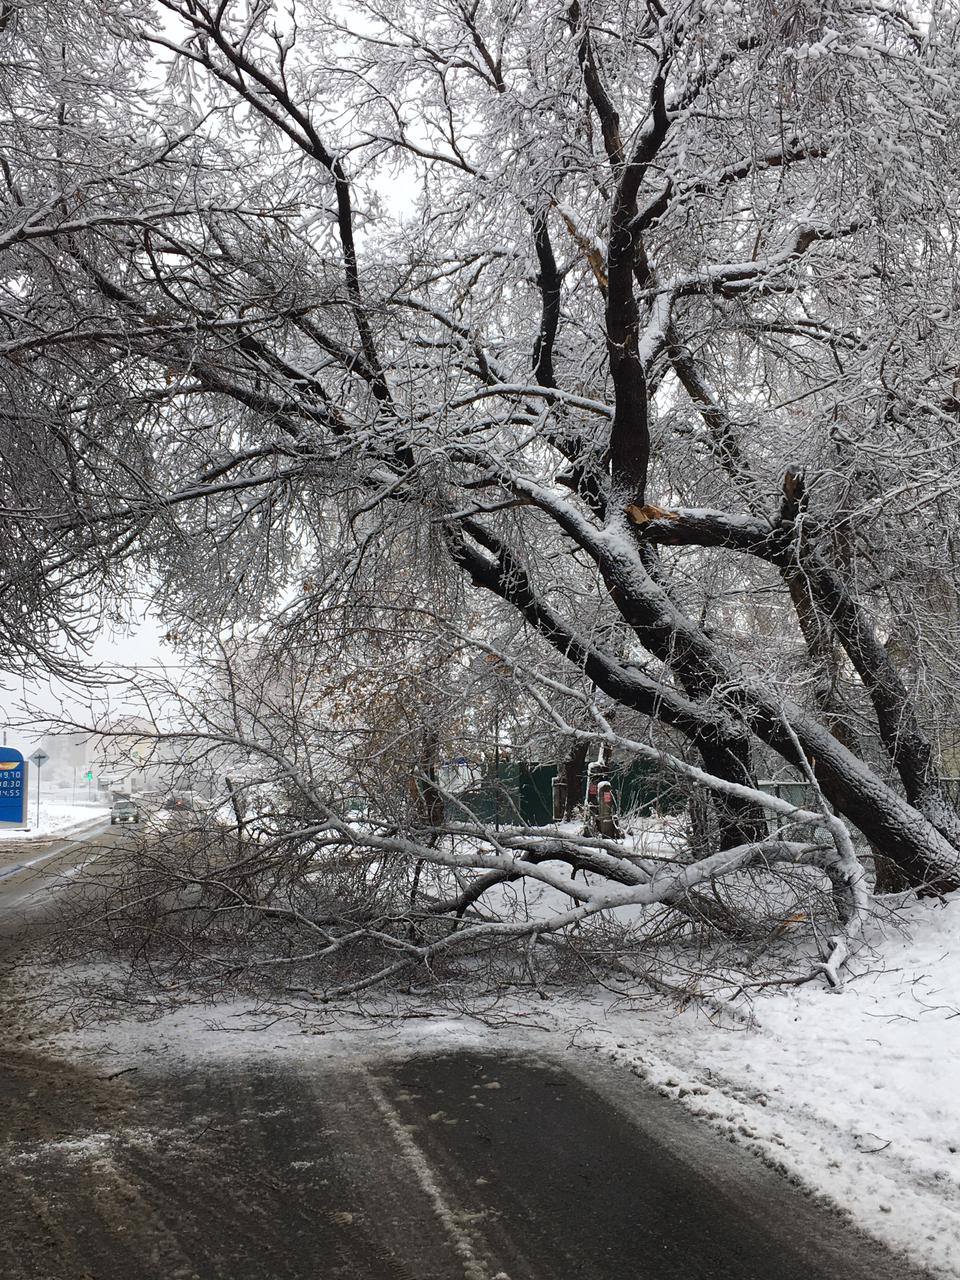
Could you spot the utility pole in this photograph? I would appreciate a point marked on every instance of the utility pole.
(496, 767)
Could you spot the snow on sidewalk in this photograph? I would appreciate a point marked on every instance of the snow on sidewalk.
(856, 1093)
(56, 818)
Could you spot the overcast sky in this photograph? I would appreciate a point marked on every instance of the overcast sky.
(140, 647)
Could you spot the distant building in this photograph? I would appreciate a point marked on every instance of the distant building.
(126, 756)
(69, 756)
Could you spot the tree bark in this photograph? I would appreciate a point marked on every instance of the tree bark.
(790, 548)
(574, 776)
(886, 819)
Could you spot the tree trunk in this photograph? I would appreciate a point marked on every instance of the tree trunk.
(736, 708)
(824, 605)
(575, 778)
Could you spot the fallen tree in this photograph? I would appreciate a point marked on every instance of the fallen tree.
(652, 371)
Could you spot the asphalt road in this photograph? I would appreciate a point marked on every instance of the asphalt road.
(32, 871)
(459, 1167)
(454, 1167)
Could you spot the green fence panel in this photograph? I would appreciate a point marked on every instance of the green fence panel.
(522, 793)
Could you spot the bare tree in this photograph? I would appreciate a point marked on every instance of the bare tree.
(656, 357)
(282, 878)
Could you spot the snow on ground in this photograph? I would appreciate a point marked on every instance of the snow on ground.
(56, 817)
(855, 1094)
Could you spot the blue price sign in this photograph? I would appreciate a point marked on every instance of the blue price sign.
(13, 788)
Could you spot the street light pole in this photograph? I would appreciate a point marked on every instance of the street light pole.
(498, 668)
(496, 767)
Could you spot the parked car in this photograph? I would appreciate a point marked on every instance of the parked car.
(124, 811)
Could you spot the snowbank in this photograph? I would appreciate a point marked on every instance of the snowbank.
(855, 1093)
(56, 818)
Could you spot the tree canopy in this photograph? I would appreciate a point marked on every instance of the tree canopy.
(614, 340)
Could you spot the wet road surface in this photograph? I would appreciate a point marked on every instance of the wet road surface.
(454, 1167)
(457, 1166)
(32, 871)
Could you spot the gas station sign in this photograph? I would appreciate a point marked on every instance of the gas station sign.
(13, 788)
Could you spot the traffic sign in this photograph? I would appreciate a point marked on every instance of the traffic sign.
(13, 788)
(39, 758)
